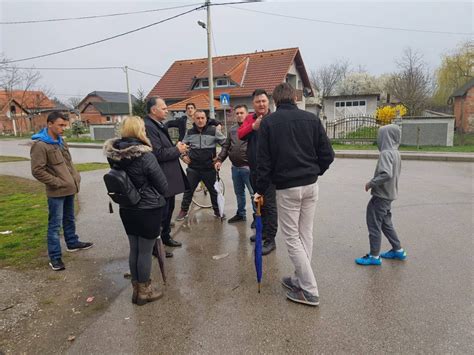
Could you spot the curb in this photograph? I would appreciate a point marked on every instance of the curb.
(464, 158)
(451, 157)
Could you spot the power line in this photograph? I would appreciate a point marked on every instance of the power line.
(349, 24)
(105, 39)
(117, 14)
(144, 72)
(81, 68)
(95, 16)
(64, 68)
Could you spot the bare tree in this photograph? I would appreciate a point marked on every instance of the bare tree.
(413, 83)
(17, 83)
(74, 101)
(327, 78)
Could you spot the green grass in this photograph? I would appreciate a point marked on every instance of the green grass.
(363, 132)
(82, 140)
(8, 159)
(91, 166)
(24, 211)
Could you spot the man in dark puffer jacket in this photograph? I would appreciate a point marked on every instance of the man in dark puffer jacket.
(202, 140)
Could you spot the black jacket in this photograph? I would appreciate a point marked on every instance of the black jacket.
(137, 160)
(167, 155)
(202, 146)
(180, 124)
(293, 149)
(234, 148)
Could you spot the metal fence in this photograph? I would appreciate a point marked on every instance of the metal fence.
(361, 129)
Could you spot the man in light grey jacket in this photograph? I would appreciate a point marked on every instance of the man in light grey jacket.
(384, 189)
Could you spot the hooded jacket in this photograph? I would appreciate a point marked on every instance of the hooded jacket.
(384, 184)
(51, 164)
(141, 166)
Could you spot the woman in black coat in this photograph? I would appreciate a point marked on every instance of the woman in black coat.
(133, 154)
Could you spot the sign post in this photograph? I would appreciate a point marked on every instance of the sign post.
(225, 102)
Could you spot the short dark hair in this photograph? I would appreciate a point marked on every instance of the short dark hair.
(55, 115)
(190, 104)
(200, 111)
(284, 93)
(258, 92)
(151, 102)
(241, 106)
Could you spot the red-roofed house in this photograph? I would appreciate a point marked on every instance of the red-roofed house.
(23, 111)
(238, 75)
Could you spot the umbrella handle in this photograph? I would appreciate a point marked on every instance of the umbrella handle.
(259, 204)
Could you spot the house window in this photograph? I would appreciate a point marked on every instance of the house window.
(361, 103)
(204, 83)
(222, 82)
(355, 103)
(13, 110)
(108, 118)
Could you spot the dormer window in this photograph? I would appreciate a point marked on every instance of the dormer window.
(222, 82)
(219, 83)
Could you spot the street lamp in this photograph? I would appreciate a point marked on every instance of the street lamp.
(207, 27)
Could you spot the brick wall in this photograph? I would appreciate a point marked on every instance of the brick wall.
(464, 109)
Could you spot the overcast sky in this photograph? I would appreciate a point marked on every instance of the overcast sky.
(235, 30)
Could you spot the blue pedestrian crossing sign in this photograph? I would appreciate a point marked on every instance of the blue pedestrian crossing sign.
(225, 99)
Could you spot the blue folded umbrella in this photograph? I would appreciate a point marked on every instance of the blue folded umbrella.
(258, 242)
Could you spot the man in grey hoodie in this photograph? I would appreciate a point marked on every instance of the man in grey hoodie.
(384, 189)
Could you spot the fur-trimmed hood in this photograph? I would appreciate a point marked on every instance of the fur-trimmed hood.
(118, 149)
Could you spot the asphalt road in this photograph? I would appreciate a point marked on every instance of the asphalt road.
(422, 305)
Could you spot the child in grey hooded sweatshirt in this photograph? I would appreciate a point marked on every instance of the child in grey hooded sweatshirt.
(384, 186)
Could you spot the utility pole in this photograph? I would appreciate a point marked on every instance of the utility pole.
(209, 64)
(125, 69)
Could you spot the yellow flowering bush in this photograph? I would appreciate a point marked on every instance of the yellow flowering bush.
(385, 114)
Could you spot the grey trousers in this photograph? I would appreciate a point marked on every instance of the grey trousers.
(296, 209)
(379, 219)
(140, 257)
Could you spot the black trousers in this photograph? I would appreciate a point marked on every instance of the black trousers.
(269, 209)
(208, 176)
(166, 219)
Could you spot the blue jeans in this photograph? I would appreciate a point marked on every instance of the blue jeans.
(61, 213)
(241, 178)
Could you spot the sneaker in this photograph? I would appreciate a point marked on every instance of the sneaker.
(286, 281)
(392, 254)
(79, 246)
(301, 296)
(368, 260)
(57, 265)
(236, 218)
(268, 247)
(182, 215)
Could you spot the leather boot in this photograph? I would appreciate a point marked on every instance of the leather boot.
(135, 291)
(146, 293)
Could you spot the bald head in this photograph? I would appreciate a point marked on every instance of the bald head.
(156, 108)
